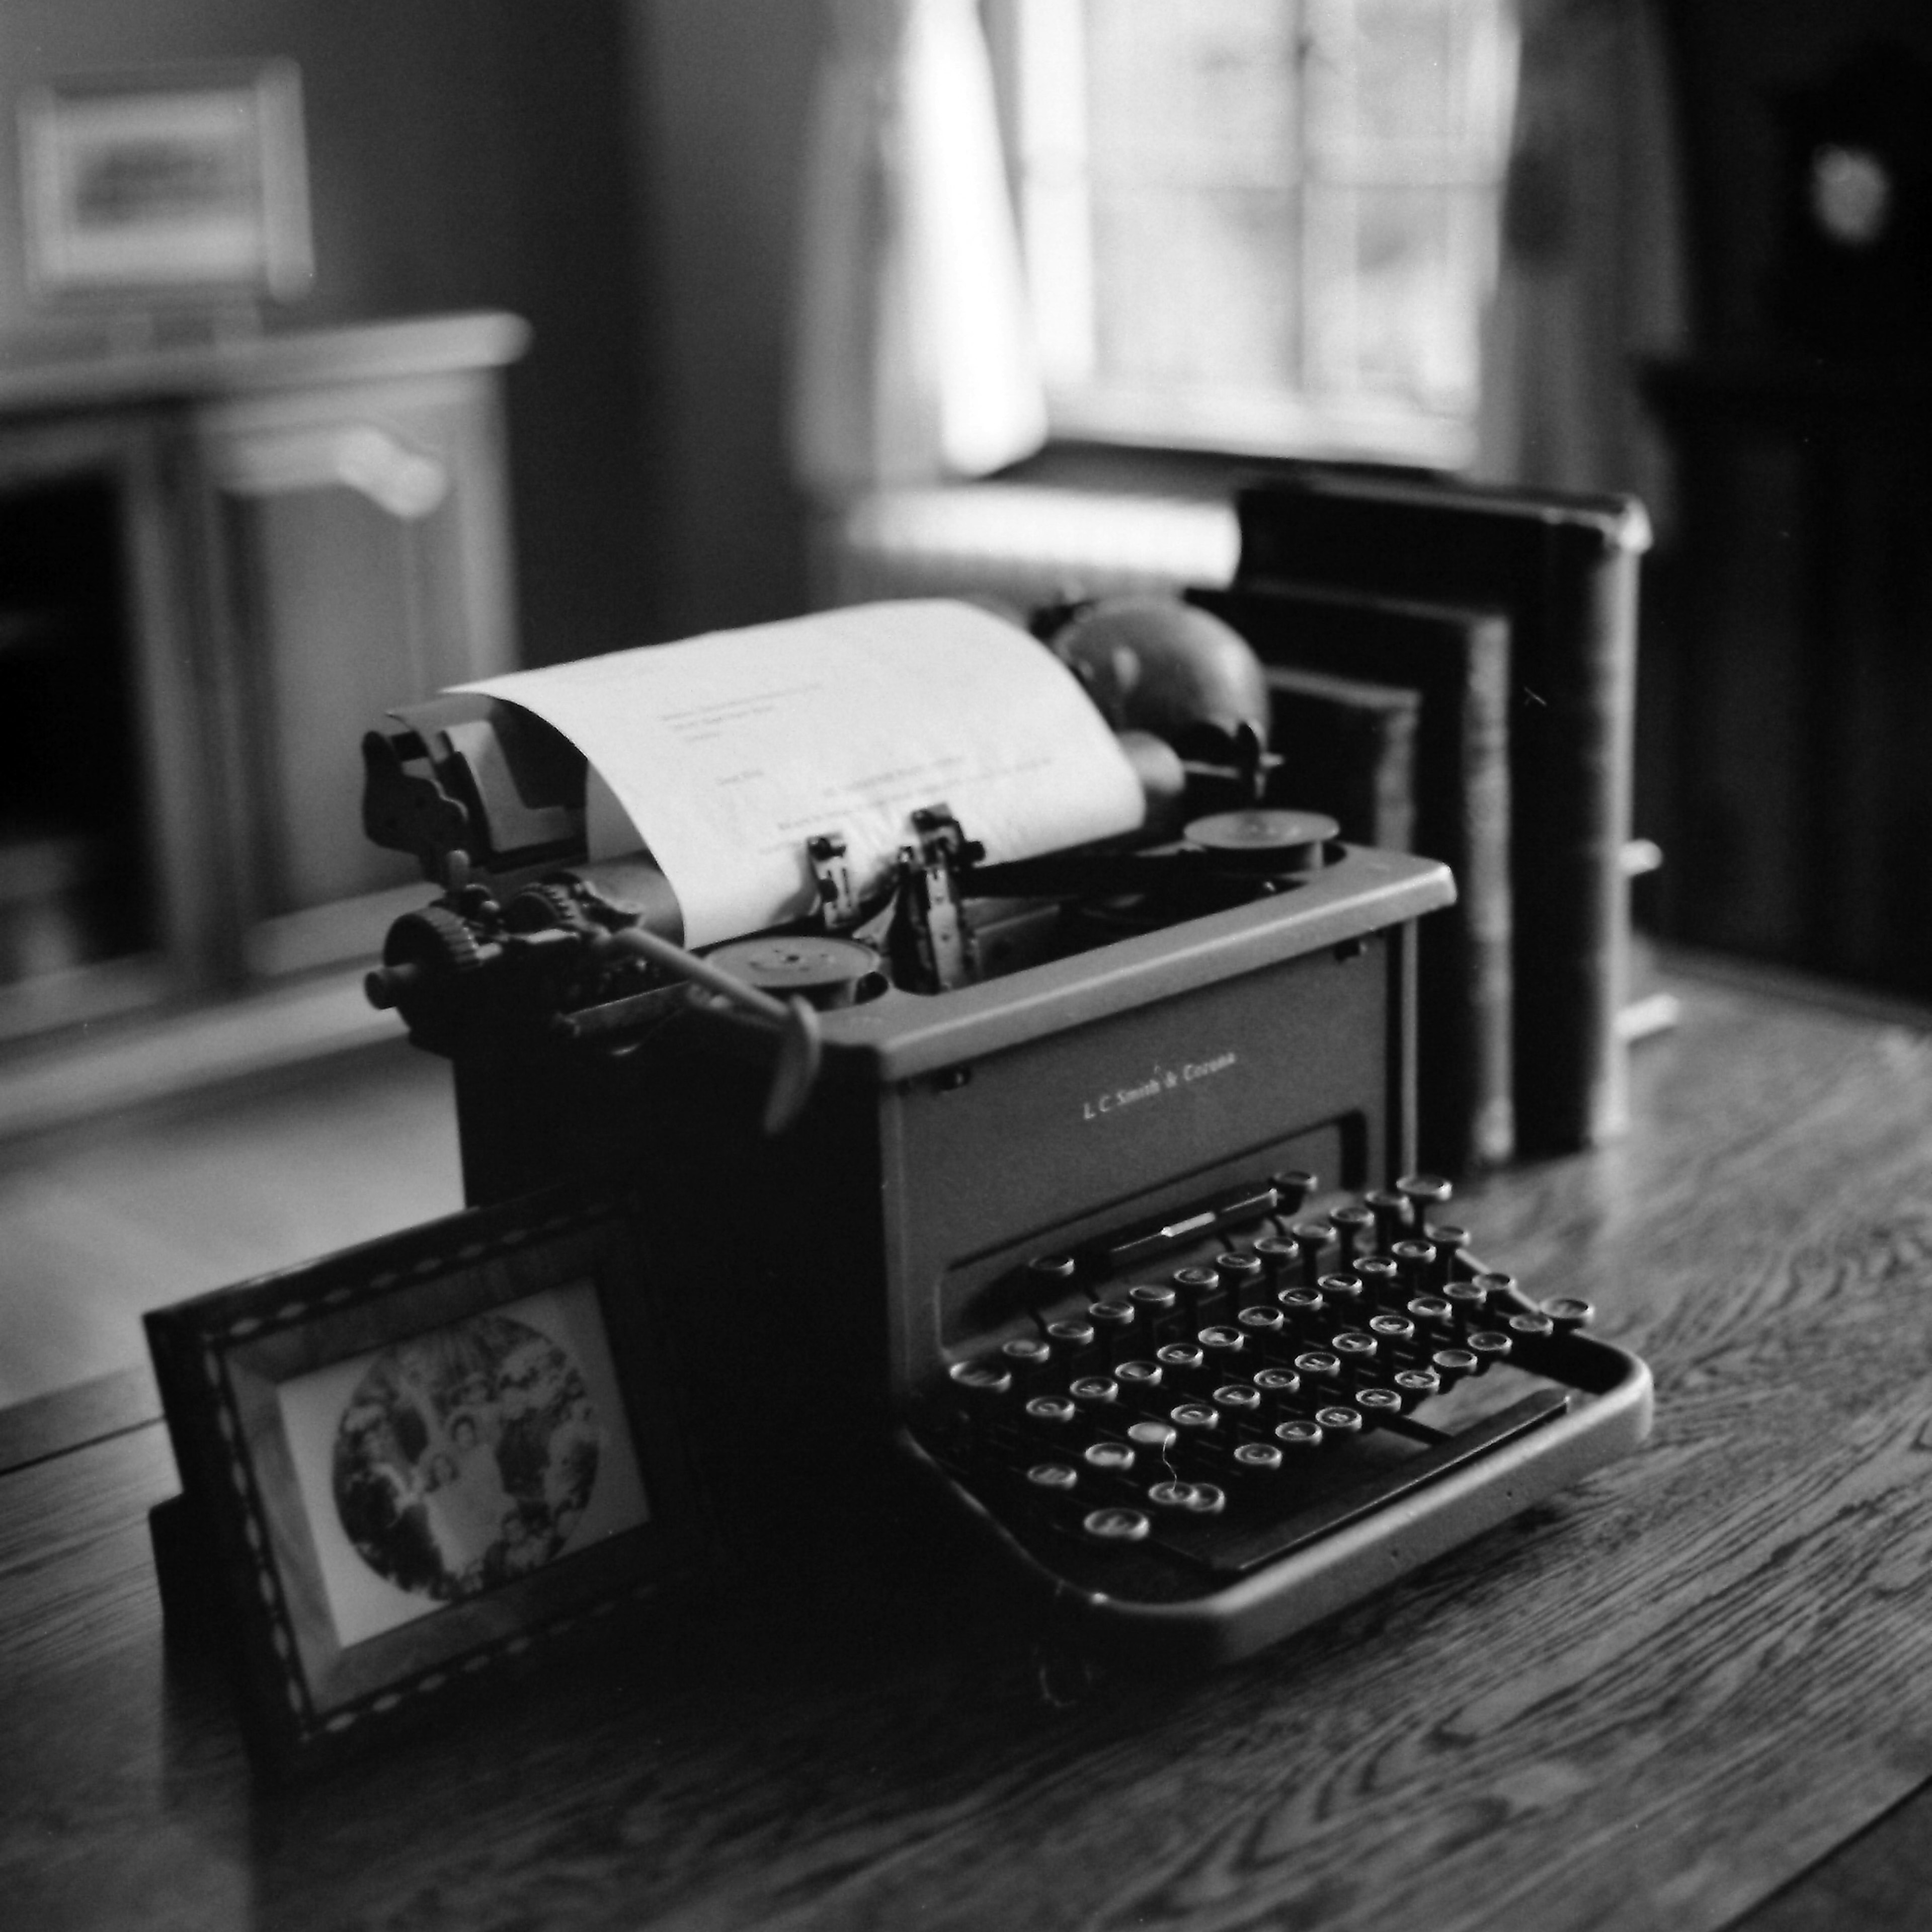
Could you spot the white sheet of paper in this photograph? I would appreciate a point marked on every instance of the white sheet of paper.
(724, 754)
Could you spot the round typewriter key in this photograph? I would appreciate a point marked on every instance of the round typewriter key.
(1312, 1239)
(1503, 1295)
(1071, 1339)
(1450, 1363)
(1390, 1210)
(1238, 1400)
(1530, 1324)
(1113, 1321)
(1028, 1358)
(1053, 1476)
(1220, 1340)
(1157, 1438)
(1277, 1384)
(1342, 1291)
(981, 1382)
(1051, 1411)
(1193, 1415)
(1292, 1186)
(1432, 1311)
(1423, 1193)
(1302, 1302)
(1195, 1281)
(1466, 1298)
(1181, 1362)
(1257, 1459)
(1416, 1261)
(1352, 1346)
(1392, 1328)
(1277, 1254)
(1154, 1303)
(1450, 1242)
(1354, 1225)
(1381, 1279)
(1196, 1498)
(1117, 1525)
(1488, 1345)
(1377, 1404)
(1053, 1274)
(1138, 1374)
(1300, 1433)
(1170, 1495)
(1318, 1365)
(1093, 1391)
(1338, 1421)
(1415, 1385)
(1238, 1272)
(1260, 1324)
(1569, 1313)
(1116, 1458)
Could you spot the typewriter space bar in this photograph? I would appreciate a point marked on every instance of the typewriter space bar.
(1234, 1550)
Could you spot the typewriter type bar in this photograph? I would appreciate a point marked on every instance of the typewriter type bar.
(1356, 1418)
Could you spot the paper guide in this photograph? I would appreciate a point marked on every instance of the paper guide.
(724, 754)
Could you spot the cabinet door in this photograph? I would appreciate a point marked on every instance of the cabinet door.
(363, 546)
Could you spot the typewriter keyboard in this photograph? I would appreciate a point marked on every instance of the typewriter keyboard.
(1185, 1426)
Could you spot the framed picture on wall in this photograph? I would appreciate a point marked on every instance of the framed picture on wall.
(180, 183)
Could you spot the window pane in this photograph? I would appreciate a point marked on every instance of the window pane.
(1195, 286)
(1393, 309)
(1192, 91)
(1282, 211)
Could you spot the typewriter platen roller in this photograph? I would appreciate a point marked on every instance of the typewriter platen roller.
(1042, 1230)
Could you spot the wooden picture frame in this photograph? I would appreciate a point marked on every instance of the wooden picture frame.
(420, 1463)
(174, 184)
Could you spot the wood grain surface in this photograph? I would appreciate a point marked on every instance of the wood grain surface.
(1650, 1703)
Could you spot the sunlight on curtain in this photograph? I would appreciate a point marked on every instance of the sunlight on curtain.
(1593, 264)
(913, 358)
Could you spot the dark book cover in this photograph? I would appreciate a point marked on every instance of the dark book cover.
(1347, 748)
(1564, 570)
(1457, 661)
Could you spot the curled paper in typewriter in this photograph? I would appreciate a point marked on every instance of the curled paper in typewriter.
(723, 754)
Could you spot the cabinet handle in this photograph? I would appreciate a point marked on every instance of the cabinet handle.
(405, 482)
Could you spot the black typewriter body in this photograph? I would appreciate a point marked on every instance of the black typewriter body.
(898, 1280)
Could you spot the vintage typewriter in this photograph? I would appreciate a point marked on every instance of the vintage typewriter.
(1075, 1188)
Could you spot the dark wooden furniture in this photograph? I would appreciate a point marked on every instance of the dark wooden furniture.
(219, 562)
(1790, 712)
(1654, 1701)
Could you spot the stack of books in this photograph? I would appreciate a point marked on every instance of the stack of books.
(1454, 673)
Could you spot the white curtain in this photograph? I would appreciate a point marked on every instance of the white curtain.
(1593, 271)
(914, 357)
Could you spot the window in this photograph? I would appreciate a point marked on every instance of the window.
(1261, 225)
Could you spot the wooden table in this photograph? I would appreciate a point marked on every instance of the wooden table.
(1653, 1702)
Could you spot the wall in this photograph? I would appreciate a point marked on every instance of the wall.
(723, 89)
(463, 153)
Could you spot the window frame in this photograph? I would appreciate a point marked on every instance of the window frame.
(1294, 421)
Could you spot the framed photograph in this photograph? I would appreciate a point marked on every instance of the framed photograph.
(420, 1462)
(188, 184)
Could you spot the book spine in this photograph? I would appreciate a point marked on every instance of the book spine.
(1565, 572)
(1459, 785)
(1574, 785)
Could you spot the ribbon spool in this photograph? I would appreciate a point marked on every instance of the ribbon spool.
(825, 972)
